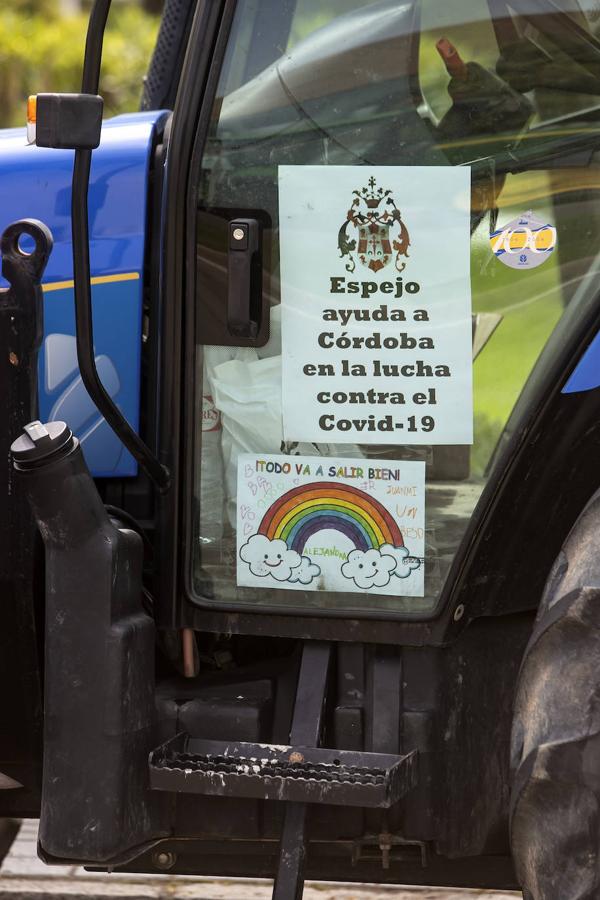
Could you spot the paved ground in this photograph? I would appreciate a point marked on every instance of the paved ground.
(24, 877)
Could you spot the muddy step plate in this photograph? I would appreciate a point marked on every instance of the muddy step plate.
(276, 772)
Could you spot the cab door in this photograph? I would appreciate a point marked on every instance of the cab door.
(389, 217)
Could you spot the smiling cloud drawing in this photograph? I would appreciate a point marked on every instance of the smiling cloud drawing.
(405, 563)
(306, 572)
(266, 557)
(374, 568)
(368, 568)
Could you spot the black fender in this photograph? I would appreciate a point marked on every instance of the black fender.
(555, 746)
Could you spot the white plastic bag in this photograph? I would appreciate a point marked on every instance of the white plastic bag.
(248, 396)
(247, 393)
(212, 487)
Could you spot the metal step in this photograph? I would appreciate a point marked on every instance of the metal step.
(277, 772)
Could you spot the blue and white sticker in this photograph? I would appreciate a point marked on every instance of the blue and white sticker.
(524, 243)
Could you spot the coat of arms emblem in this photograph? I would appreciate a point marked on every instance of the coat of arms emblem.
(381, 233)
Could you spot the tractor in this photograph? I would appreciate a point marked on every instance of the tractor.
(300, 423)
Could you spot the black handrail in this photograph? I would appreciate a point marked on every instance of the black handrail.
(81, 268)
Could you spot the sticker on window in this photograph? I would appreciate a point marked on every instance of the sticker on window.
(314, 524)
(524, 243)
(376, 304)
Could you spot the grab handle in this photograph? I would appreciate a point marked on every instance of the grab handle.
(244, 291)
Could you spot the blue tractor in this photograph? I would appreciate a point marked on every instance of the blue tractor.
(300, 429)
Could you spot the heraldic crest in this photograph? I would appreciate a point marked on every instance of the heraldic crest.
(381, 231)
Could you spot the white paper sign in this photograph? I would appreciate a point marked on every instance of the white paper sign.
(376, 304)
(311, 523)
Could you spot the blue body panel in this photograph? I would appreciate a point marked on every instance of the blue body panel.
(586, 374)
(36, 183)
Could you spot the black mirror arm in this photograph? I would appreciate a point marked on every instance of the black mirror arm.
(81, 269)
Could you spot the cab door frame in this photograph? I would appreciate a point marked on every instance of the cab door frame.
(208, 36)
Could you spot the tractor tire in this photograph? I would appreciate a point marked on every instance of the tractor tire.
(555, 748)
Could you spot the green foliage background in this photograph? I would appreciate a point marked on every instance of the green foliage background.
(41, 50)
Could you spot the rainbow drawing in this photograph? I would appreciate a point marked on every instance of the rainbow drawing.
(305, 510)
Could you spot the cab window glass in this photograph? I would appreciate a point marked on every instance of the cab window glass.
(510, 90)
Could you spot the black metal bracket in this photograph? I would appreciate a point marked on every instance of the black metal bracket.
(21, 326)
(306, 731)
(22, 301)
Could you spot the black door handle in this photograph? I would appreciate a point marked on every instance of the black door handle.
(244, 290)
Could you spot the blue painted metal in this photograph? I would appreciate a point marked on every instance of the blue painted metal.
(586, 374)
(36, 182)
